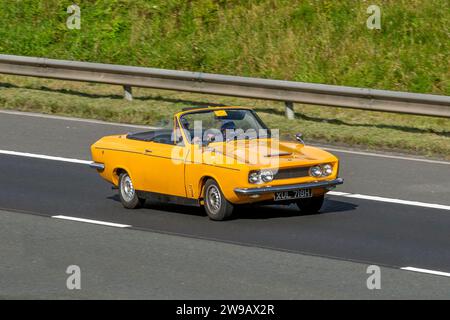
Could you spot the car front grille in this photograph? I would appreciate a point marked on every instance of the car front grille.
(289, 173)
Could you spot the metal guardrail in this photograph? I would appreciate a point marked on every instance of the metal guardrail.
(278, 90)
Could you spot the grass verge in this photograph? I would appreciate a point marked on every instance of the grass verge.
(418, 135)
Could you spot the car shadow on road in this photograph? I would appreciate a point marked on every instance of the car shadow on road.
(256, 212)
(167, 207)
(280, 211)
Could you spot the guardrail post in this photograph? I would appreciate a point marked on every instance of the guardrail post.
(289, 110)
(127, 93)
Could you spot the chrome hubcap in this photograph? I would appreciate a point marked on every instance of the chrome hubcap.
(127, 189)
(213, 199)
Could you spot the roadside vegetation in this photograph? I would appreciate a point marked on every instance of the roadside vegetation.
(322, 41)
(424, 136)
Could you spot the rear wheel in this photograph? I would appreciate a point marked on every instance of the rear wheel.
(127, 193)
(216, 206)
(310, 205)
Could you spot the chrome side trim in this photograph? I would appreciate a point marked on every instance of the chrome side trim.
(97, 166)
(290, 187)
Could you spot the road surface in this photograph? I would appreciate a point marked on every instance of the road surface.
(392, 211)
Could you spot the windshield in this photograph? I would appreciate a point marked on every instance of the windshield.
(222, 125)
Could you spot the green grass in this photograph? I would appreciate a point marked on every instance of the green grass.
(424, 136)
(323, 41)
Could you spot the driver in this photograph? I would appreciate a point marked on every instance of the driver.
(227, 125)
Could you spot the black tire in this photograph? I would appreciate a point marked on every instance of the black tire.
(127, 193)
(310, 205)
(216, 206)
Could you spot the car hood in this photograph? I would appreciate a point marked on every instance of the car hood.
(271, 152)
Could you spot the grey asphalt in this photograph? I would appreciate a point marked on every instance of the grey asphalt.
(129, 264)
(330, 249)
(349, 229)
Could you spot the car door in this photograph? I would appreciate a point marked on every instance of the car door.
(165, 165)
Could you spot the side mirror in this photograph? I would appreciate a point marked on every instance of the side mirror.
(299, 138)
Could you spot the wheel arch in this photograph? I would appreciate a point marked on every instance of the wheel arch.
(117, 172)
(202, 182)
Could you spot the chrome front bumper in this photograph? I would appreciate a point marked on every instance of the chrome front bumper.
(97, 166)
(290, 187)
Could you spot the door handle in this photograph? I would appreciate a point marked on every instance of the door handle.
(148, 151)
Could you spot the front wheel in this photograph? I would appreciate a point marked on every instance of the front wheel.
(216, 206)
(310, 205)
(127, 193)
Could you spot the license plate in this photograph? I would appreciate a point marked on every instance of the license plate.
(295, 194)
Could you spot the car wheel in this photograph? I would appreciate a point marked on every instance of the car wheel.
(216, 206)
(127, 193)
(310, 205)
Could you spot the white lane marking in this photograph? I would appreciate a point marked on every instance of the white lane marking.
(41, 156)
(390, 200)
(370, 154)
(335, 193)
(105, 223)
(48, 116)
(437, 273)
(338, 193)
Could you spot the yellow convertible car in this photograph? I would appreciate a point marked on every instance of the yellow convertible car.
(216, 157)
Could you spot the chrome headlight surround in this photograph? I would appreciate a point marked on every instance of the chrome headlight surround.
(327, 170)
(266, 175)
(254, 177)
(260, 176)
(315, 171)
(322, 170)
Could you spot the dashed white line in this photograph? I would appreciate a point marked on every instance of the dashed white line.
(104, 223)
(338, 193)
(92, 121)
(42, 156)
(437, 273)
(390, 200)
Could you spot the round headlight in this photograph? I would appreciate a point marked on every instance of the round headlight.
(327, 169)
(253, 177)
(266, 175)
(315, 171)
